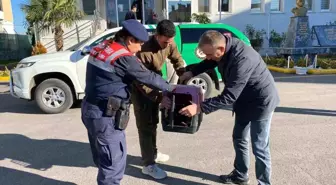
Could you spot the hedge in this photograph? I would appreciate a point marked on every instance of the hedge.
(324, 62)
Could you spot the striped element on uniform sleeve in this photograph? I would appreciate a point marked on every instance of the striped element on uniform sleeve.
(101, 64)
(111, 59)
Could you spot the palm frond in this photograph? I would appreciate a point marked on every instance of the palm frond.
(50, 13)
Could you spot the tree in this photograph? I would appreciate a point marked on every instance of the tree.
(53, 15)
(200, 18)
(34, 14)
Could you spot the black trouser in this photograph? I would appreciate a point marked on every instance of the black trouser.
(147, 117)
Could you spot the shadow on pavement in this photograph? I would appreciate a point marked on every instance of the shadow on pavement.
(14, 105)
(316, 112)
(136, 172)
(44, 154)
(12, 176)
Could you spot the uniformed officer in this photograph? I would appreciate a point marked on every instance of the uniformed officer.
(146, 100)
(111, 68)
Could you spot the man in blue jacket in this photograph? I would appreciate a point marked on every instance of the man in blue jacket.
(250, 88)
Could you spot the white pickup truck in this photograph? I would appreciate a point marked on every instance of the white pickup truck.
(56, 80)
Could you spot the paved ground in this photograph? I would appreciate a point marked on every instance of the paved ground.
(37, 149)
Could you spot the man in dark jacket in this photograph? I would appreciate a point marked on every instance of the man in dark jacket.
(131, 14)
(250, 88)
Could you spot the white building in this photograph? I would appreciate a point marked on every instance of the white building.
(262, 14)
(6, 17)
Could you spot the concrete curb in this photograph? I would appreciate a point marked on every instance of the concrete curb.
(321, 71)
(4, 78)
(282, 70)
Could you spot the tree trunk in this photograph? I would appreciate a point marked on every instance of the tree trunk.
(59, 38)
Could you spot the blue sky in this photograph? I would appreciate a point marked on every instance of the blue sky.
(19, 16)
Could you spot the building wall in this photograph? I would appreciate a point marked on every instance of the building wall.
(7, 9)
(72, 35)
(241, 15)
(6, 17)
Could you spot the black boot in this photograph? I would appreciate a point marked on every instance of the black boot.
(233, 178)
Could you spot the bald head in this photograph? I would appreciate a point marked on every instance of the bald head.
(212, 43)
(213, 38)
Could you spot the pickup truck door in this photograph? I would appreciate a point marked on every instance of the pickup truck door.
(82, 60)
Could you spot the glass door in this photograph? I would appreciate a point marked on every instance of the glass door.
(145, 11)
(116, 11)
(111, 14)
(123, 8)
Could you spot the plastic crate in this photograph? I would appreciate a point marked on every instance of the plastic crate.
(172, 120)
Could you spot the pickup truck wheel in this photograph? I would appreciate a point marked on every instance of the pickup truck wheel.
(53, 96)
(204, 82)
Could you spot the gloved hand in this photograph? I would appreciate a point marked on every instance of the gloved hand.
(185, 76)
(165, 103)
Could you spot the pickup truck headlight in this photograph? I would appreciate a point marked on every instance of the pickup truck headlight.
(24, 65)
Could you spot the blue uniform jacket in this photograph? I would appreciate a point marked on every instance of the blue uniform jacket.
(103, 81)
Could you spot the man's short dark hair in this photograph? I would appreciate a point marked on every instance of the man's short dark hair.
(133, 6)
(213, 38)
(166, 28)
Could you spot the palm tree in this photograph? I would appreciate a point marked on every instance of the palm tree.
(53, 15)
(35, 12)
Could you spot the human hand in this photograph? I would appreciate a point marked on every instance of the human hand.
(165, 103)
(186, 76)
(190, 110)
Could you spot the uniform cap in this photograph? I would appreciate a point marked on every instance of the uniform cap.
(136, 29)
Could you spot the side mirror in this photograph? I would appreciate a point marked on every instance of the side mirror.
(86, 50)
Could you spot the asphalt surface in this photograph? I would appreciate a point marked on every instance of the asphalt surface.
(39, 149)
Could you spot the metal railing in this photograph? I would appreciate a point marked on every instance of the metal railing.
(88, 28)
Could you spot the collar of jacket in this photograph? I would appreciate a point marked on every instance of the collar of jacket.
(123, 44)
(155, 43)
(227, 48)
(228, 44)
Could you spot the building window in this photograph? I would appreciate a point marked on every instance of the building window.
(203, 6)
(256, 5)
(225, 5)
(325, 5)
(309, 5)
(89, 6)
(179, 11)
(276, 5)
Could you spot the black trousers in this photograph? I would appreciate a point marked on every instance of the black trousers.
(147, 117)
